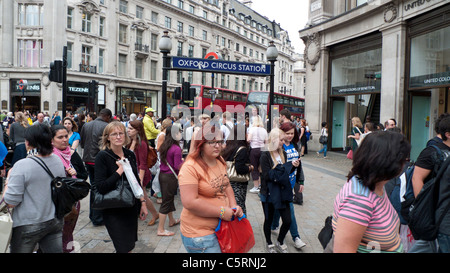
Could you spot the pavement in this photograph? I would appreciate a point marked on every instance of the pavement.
(324, 178)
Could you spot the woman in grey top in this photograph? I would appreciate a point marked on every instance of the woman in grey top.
(28, 191)
(16, 134)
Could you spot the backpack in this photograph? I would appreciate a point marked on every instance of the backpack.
(395, 190)
(422, 215)
(408, 196)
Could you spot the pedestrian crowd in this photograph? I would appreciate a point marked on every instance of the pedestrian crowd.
(224, 156)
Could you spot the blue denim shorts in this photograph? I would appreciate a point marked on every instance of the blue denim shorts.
(204, 244)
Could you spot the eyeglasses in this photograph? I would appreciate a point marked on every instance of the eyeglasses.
(115, 135)
(214, 143)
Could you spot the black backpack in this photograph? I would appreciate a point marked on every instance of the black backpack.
(422, 213)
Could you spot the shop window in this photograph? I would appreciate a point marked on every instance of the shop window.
(430, 59)
(356, 73)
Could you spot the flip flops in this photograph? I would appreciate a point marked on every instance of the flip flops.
(153, 221)
(166, 233)
(177, 222)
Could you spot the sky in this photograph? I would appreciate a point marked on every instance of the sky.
(291, 14)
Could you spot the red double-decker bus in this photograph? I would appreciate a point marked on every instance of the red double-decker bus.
(223, 98)
(260, 99)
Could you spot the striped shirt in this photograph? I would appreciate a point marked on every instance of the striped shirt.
(356, 203)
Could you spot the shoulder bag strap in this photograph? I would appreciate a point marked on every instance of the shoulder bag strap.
(43, 165)
(170, 167)
(240, 148)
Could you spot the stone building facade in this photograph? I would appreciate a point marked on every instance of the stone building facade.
(379, 58)
(115, 42)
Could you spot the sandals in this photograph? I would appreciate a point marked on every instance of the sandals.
(153, 221)
(177, 222)
(166, 233)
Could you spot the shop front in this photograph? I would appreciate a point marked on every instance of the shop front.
(130, 100)
(25, 97)
(428, 75)
(77, 97)
(355, 86)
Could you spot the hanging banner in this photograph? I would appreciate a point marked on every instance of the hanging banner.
(220, 66)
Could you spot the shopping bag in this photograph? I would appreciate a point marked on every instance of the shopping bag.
(134, 184)
(6, 224)
(235, 236)
(350, 154)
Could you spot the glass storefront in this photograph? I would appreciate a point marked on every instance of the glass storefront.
(355, 86)
(430, 59)
(28, 99)
(131, 100)
(428, 78)
(356, 73)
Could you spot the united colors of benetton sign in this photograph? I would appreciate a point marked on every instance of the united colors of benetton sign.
(220, 66)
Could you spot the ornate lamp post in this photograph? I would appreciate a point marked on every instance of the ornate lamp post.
(165, 46)
(272, 55)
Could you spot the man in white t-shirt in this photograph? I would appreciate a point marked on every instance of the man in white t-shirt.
(227, 125)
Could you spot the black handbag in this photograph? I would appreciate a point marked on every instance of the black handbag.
(326, 233)
(121, 197)
(66, 191)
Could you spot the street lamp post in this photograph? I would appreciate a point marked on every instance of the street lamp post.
(272, 54)
(165, 46)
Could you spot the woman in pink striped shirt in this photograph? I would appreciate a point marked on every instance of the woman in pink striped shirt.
(364, 220)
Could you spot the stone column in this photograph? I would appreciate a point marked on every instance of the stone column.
(393, 72)
(316, 97)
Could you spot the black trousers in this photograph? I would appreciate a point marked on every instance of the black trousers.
(285, 215)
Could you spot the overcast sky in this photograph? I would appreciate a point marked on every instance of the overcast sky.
(291, 14)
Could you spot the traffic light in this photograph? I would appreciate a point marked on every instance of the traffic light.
(191, 93)
(56, 71)
(93, 88)
(185, 90)
(177, 94)
(188, 92)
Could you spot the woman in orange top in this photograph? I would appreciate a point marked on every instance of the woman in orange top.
(206, 193)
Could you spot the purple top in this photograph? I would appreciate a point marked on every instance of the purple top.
(173, 157)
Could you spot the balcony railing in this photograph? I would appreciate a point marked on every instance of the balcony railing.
(142, 48)
(88, 68)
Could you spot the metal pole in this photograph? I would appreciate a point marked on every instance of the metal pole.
(164, 86)
(64, 82)
(271, 93)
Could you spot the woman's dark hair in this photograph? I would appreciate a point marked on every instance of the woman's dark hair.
(286, 126)
(168, 142)
(324, 124)
(39, 136)
(234, 141)
(55, 128)
(139, 127)
(381, 156)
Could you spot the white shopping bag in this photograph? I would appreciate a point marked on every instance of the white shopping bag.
(6, 224)
(135, 186)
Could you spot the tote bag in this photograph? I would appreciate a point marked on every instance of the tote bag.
(6, 224)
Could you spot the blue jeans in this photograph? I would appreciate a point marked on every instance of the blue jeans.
(293, 227)
(324, 150)
(204, 244)
(444, 243)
